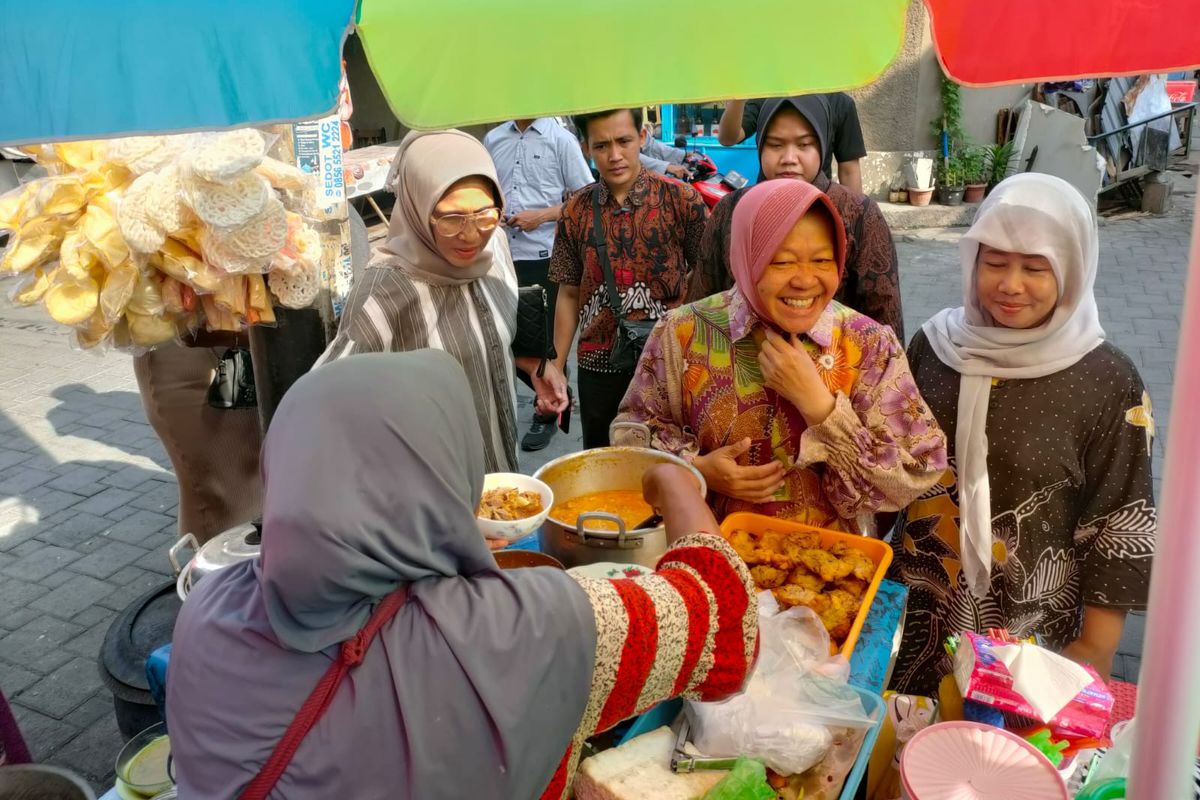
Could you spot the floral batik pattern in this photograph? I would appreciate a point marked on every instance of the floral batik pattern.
(699, 387)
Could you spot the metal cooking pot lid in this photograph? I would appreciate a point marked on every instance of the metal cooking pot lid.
(235, 545)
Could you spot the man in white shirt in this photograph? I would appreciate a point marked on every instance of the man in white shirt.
(539, 164)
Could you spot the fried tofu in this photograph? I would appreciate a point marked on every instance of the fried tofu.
(851, 585)
(839, 615)
(745, 544)
(766, 577)
(863, 567)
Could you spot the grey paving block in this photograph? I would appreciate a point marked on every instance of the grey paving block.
(10, 458)
(71, 527)
(15, 594)
(47, 560)
(14, 618)
(87, 644)
(121, 598)
(64, 689)
(44, 734)
(14, 679)
(25, 548)
(93, 752)
(121, 513)
(127, 575)
(107, 500)
(50, 501)
(37, 646)
(159, 498)
(18, 479)
(68, 600)
(155, 561)
(96, 708)
(108, 559)
(127, 477)
(80, 479)
(93, 616)
(57, 579)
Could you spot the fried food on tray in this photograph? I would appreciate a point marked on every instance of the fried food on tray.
(768, 577)
(853, 586)
(839, 615)
(800, 576)
(507, 504)
(799, 571)
(826, 564)
(789, 596)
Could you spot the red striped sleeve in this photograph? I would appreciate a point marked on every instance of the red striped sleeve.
(558, 784)
(730, 666)
(637, 654)
(695, 600)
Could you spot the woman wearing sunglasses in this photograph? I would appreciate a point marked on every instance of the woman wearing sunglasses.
(443, 281)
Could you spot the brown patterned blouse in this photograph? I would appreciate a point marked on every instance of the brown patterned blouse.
(653, 241)
(871, 284)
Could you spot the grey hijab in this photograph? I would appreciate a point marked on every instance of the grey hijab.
(474, 689)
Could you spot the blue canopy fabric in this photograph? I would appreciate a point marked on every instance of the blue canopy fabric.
(81, 69)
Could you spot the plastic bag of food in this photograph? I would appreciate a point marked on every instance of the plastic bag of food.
(785, 714)
(746, 781)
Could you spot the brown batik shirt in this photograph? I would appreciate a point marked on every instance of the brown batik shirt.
(653, 242)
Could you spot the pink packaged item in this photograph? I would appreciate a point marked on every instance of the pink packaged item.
(984, 678)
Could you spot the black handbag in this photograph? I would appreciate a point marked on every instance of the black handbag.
(533, 337)
(233, 385)
(631, 334)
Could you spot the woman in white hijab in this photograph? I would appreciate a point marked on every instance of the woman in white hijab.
(1045, 521)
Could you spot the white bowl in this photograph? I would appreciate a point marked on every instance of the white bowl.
(518, 528)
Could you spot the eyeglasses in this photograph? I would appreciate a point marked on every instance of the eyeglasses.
(453, 224)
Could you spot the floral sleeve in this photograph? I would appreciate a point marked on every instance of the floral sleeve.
(881, 445)
(651, 414)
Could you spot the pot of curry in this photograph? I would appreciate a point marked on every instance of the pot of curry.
(599, 506)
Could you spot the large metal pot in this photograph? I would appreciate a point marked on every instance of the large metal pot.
(600, 470)
(240, 543)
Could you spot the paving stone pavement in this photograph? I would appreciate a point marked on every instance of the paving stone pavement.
(87, 498)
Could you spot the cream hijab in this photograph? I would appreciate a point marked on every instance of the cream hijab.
(1039, 215)
(427, 164)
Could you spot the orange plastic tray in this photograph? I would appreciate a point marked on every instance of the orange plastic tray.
(877, 551)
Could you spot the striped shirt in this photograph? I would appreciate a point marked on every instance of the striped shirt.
(690, 630)
(391, 311)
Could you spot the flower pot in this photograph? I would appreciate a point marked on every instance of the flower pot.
(974, 192)
(919, 197)
(950, 195)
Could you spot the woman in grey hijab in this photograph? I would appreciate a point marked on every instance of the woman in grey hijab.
(484, 683)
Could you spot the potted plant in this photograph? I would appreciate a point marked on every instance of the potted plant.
(950, 181)
(918, 177)
(975, 174)
(998, 161)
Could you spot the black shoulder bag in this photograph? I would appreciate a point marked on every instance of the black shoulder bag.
(631, 335)
(533, 337)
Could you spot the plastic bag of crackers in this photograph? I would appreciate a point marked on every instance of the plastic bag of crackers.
(132, 242)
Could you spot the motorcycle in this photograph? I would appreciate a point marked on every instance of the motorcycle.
(712, 184)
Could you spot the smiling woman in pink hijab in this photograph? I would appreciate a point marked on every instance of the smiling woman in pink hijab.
(790, 403)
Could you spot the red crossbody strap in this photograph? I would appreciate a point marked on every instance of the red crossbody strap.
(349, 657)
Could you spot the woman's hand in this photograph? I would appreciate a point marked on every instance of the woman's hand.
(725, 476)
(789, 370)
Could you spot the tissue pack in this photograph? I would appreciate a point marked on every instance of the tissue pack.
(984, 678)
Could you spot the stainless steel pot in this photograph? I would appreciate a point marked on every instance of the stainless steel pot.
(600, 470)
(240, 543)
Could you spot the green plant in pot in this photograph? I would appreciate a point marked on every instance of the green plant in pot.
(951, 181)
(975, 173)
(999, 162)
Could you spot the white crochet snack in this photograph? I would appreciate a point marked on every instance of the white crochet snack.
(295, 288)
(164, 201)
(221, 157)
(133, 217)
(261, 236)
(144, 154)
(217, 253)
(228, 204)
(283, 176)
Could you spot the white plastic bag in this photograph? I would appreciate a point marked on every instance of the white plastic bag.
(797, 692)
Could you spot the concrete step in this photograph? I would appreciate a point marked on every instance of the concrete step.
(902, 216)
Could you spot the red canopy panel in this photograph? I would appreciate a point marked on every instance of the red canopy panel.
(988, 42)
